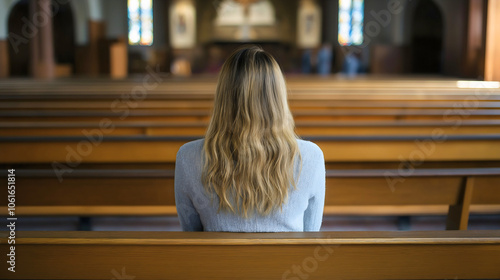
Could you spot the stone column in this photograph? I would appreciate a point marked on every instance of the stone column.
(42, 44)
(97, 33)
(4, 58)
(492, 58)
(4, 40)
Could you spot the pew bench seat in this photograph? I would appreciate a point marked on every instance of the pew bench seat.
(93, 192)
(288, 255)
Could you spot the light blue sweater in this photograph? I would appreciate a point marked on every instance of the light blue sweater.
(302, 212)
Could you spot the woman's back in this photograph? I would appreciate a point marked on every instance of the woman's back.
(302, 212)
(249, 173)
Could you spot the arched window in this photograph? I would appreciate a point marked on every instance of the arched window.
(351, 14)
(140, 22)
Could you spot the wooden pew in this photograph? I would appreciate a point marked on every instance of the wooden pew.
(315, 100)
(124, 114)
(207, 84)
(295, 103)
(183, 101)
(288, 255)
(302, 91)
(140, 149)
(151, 192)
(306, 128)
(312, 100)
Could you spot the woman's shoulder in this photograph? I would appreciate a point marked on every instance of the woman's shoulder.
(309, 148)
(190, 149)
(310, 153)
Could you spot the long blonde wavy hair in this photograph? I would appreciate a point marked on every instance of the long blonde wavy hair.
(250, 145)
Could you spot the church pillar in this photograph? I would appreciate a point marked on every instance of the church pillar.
(398, 26)
(475, 39)
(42, 43)
(97, 34)
(492, 58)
(4, 40)
(4, 58)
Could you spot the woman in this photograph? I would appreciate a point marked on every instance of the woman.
(250, 173)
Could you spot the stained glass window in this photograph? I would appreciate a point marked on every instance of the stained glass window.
(351, 14)
(140, 22)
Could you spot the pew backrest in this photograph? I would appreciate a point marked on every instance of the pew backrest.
(299, 255)
(151, 192)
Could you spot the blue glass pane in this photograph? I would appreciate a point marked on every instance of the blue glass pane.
(140, 22)
(134, 30)
(351, 15)
(146, 22)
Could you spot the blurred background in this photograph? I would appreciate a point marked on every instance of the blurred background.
(119, 37)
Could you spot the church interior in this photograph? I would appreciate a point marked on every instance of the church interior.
(402, 97)
(116, 39)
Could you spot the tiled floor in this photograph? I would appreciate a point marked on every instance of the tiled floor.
(337, 223)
